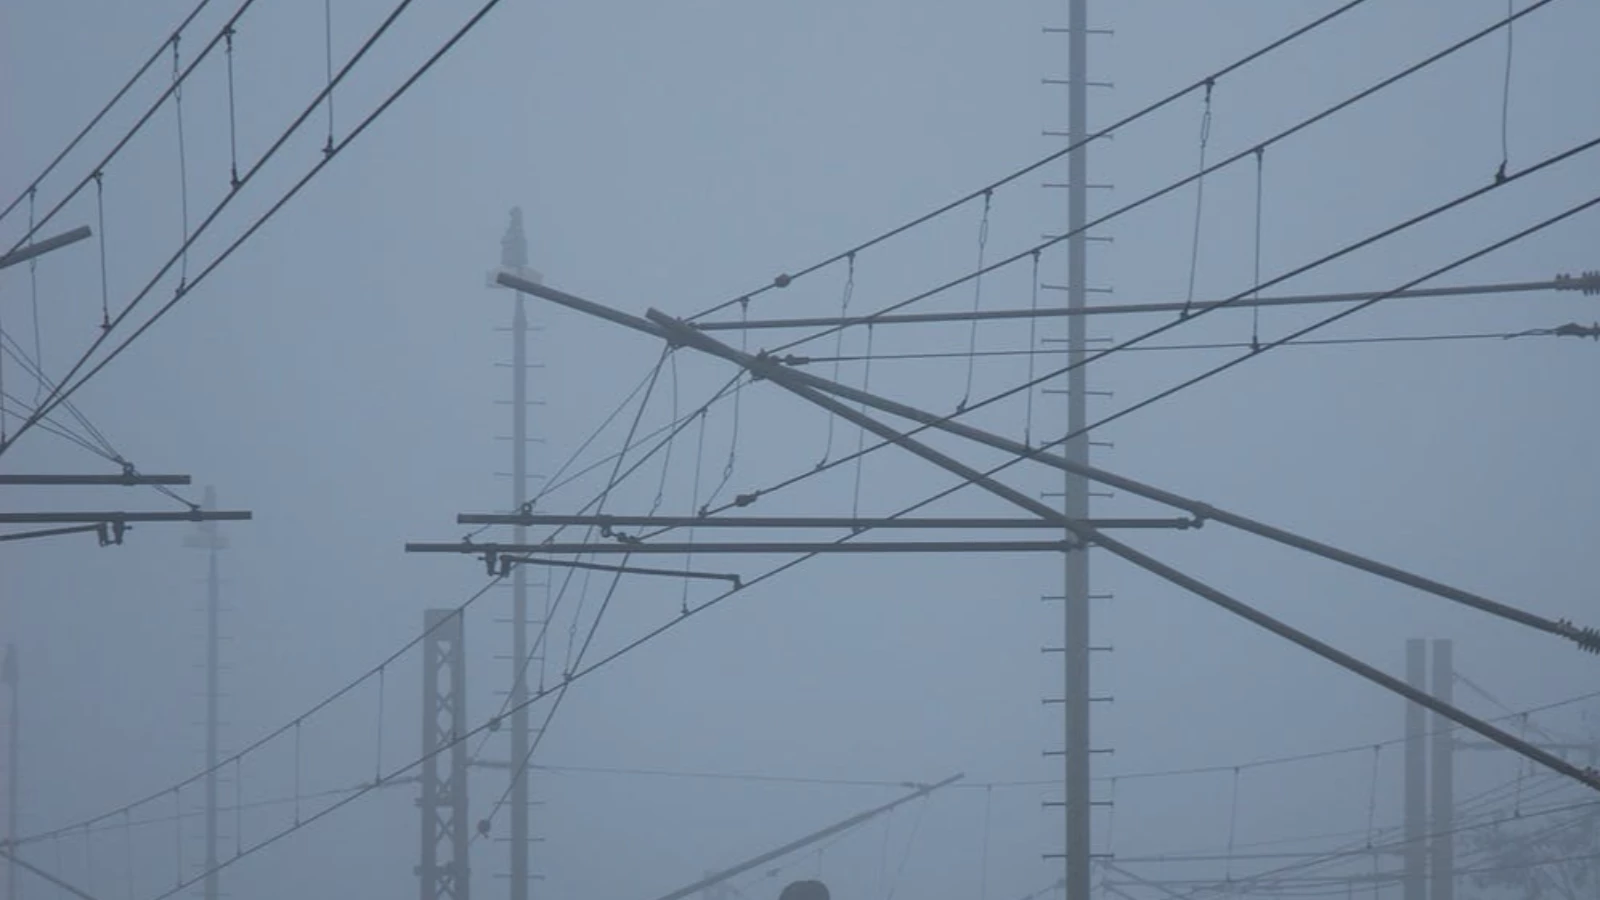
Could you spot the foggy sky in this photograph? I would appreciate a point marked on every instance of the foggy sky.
(338, 378)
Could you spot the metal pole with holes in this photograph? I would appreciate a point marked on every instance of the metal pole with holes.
(207, 537)
(514, 257)
(1075, 499)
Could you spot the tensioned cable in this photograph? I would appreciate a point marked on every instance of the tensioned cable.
(861, 433)
(1199, 200)
(838, 348)
(1282, 135)
(185, 288)
(96, 442)
(183, 161)
(1216, 345)
(616, 654)
(668, 354)
(33, 293)
(1347, 249)
(11, 348)
(617, 476)
(20, 409)
(1355, 850)
(1505, 98)
(1247, 59)
(265, 739)
(977, 300)
(139, 124)
(1255, 317)
(154, 57)
(1329, 320)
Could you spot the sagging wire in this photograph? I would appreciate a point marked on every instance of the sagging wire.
(666, 458)
(127, 847)
(605, 495)
(177, 832)
(785, 280)
(3, 393)
(1255, 311)
(694, 505)
(1233, 825)
(105, 281)
(233, 125)
(911, 840)
(377, 769)
(738, 388)
(1505, 98)
(238, 808)
(977, 299)
(33, 290)
(88, 859)
(1033, 337)
(1199, 199)
(1372, 795)
(838, 346)
(861, 433)
(983, 860)
(183, 163)
(327, 31)
(297, 771)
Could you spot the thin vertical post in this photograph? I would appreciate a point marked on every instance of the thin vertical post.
(444, 769)
(1075, 500)
(9, 675)
(1414, 881)
(1442, 855)
(208, 537)
(514, 255)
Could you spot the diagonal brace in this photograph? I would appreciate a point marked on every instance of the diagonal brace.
(1587, 638)
(680, 332)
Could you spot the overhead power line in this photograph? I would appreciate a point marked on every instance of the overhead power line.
(1276, 138)
(171, 90)
(784, 280)
(1588, 282)
(765, 366)
(155, 55)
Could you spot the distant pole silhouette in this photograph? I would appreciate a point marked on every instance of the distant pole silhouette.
(9, 676)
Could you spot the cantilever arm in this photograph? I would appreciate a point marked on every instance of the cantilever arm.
(1086, 534)
(1587, 638)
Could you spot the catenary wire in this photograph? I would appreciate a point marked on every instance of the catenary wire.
(155, 57)
(1278, 137)
(1173, 97)
(184, 288)
(139, 124)
(1176, 322)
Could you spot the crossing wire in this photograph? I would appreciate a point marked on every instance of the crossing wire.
(284, 199)
(155, 56)
(787, 279)
(1374, 238)
(627, 648)
(1216, 345)
(68, 386)
(1199, 200)
(262, 741)
(1303, 124)
(143, 119)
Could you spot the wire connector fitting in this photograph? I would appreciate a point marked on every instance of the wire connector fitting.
(1587, 638)
(1588, 282)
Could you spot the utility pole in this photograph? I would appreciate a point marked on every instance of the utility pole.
(444, 869)
(514, 256)
(1415, 855)
(1441, 840)
(13, 745)
(208, 537)
(1075, 500)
